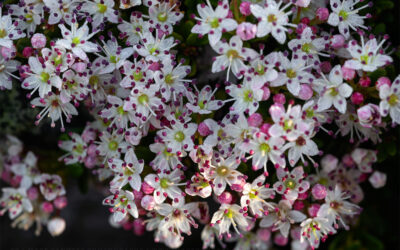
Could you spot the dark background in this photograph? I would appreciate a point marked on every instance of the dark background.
(87, 219)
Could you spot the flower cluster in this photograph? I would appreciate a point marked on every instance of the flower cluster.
(165, 142)
(32, 197)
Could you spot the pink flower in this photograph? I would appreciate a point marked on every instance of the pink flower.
(245, 8)
(225, 198)
(313, 209)
(383, 81)
(8, 53)
(203, 129)
(319, 191)
(246, 31)
(27, 52)
(38, 41)
(337, 41)
(348, 74)
(365, 81)
(266, 94)
(255, 120)
(357, 98)
(377, 179)
(322, 14)
(369, 115)
(60, 202)
(32, 193)
(47, 207)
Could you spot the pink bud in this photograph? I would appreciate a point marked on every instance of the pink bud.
(369, 115)
(265, 127)
(139, 227)
(319, 192)
(238, 187)
(365, 81)
(32, 193)
(322, 14)
(225, 198)
(313, 209)
(8, 53)
(357, 98)
(347, 160)
(246, 31)
(38, 41)
(90, 161)
(280, 240)
(329, 163)
(244, 8)
(300, 28)
(337, 41)
(348, 74)
(255, 120)
(47, 207)
(60, 202)
(127, 225)
(383, 81)
(138, 195)
(155, 66)
(325, 66)
(203, 129)
(266, 94)
(148, 202)
(16, 180)
(279, 98)
(6, 176)
(27, 52)
(146, 188)
(298, 205)
(302, 196)
(264, 234)
(306, 92)
(377, 179)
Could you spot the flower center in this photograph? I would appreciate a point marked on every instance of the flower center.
(201, 104)
(229, 214)
(204, 184)
(113, 145)
(44, 77)
(58, 60)
(164, 183)
(143, 99)
(252, 194)
(121, 111)
(128, 172)
(393, 99)
(79, 148)
(272, 18)
(306, 48)
(167, 154)
(29, 18)
(289, 183)
(214, 23)
(93, 80)
(335, 205)
(162, 17)
(333, 92)
(152, 50)
(260, 69)
(3, 33)
(310, 113)
(179, 136)
(113, 59)
(288, 125)
(137, 75)
(364, 59)
(248, 95)
(343, 14)
(291, 73)
(169, 79)
(265, 148)
(76, 40)
(222, 171)
(102, 8)
(301, 141)
(232, 54)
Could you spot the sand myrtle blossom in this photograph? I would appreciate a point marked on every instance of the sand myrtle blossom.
(162, 16)
(136, 73)
(204, 102)
(7, 67)
(127, 171)
(8, 31)
(77, 40)
(291, 184)
(15, 202)
(254, 195)
(228, 215)
(346, 17)
(76, 148)
(61, 10)
(232, 56)
(50, 186)
(100, 10)
(262, 69)
(264, 148)
(246, 96)
(367, 57)
(166, 184)
(58, 57)
(178, 138)
(281, 216)
(28, 16)
(390, 100)
(111, 145)
(222, 172)
(115, 113)
(133, 28)
(123, 202)
(126, 4)
(27, 170)
(213, 22)
(333, 91)
(378, 179)
(54, 108)
(199, 186)
(164, 159)
(42, 77)
(272, 19)
(348, 181)
(154, 48)
(74, 86)
(364, 159)
(308, 44)
(116, 56)
(315, 229)
(336, 206)
(292, 73)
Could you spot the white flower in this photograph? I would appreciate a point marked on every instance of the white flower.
(262, 69)
(100, 10)
(336, 206)
(281, 216)
(345, 16)
(116, 56)
(273, 19)
(164, 160)
(127, 171)
(163, 17)
(133, 28)
(364, 159)
(74, 86)
(123, 202)
(6, 68)
(54, 108)
(126, 4)
(166, 184)
(153, 48)
(75, 147)
(111, 145)
(58, 57)
(308, 45)
(29, 16)
(136, 73)
(315, 229)
(247, 96)
(390, 100)
(254, 196)
(60, 10)
(178, 137)
(56, 226)
(204, 101)
(27, 170)
(115, 113)
(42, 78)
(228, 215)
(51, 186)
(367, 57)
(232, 56)
(15, 201)
(8, 31)
(333, 91)
(77, 40)
(213, 22)
(291, 184)
(199, 186)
